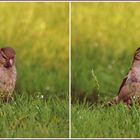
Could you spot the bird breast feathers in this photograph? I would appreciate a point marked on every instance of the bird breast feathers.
(8, 75)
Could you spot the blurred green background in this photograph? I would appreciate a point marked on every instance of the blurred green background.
(104, 39)
(38, 31)
(40, 38)
(105, 36)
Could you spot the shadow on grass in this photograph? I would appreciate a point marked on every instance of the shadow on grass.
(83, 98)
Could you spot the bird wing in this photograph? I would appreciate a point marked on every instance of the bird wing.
(124, 80)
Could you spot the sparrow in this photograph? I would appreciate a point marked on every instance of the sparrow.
(130, 86)
(7, 72)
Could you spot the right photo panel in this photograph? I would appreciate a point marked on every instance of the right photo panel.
(105, 70)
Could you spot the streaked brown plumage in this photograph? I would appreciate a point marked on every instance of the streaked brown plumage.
(130, 87)
(7, 72)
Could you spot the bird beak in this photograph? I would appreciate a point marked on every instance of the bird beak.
(8, 64)
(11, 62)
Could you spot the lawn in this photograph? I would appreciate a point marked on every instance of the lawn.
(40, 37)
(117, 121)
(104, 39)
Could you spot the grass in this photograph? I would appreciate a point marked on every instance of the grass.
(104, 39)
(34, 118)
(40, 102)
(117, 121)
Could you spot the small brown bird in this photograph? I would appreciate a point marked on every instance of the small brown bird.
(7, 72)
(130, 87)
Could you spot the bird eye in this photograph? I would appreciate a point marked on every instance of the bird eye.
(4, 57)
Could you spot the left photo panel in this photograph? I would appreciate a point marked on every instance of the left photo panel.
(34, 98)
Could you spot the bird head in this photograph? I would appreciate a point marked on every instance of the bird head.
(7, 57)
(137, 54)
